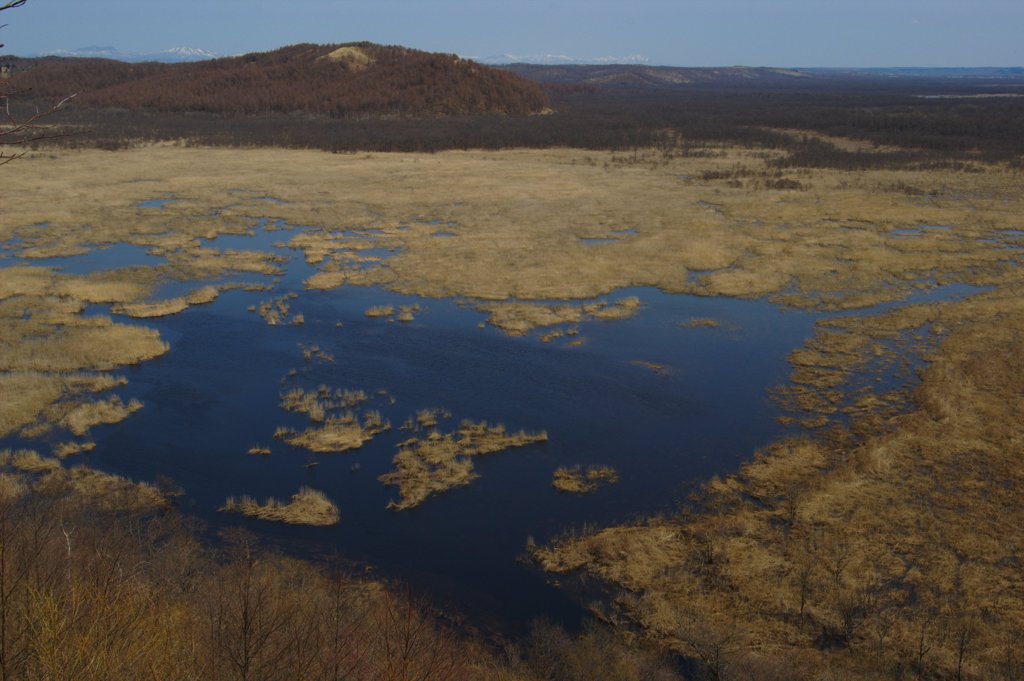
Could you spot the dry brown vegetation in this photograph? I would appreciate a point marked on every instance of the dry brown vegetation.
(831, 245)
(132, 594)
(25, 471)
(162, 308)
(517, 319)
(340, 433)
(440, 462)
(89, 414)
(306, 507)
(576, 480)
(380, 311)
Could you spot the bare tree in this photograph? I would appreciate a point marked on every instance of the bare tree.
(25, 128)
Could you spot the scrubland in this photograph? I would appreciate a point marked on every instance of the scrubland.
(100, 583)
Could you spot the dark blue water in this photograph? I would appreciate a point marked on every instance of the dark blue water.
(216, 394)
(101, 258)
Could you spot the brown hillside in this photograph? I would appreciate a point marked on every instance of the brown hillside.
(354, 80)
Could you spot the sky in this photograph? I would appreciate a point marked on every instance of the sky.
(857, 33)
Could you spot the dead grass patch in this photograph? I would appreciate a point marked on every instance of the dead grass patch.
(30, 396)
(380, 311)
(163, 308)
(518, 319)
(306, 507)
(439, 462)
(64, 450)
(339, 434)
(89, 414)
(576, 480)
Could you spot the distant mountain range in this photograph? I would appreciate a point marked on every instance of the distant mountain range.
(174, 55)
(558, 59)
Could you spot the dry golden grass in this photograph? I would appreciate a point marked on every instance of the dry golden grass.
(94, 343)
(700, 323)
(104, 490)
(88, 414)
(81, 485)
(520, 221)
(380, 311)
(277, 310)
(29, 461)
(64, 450)
(440, 462)
(30, 396)
(339, 434)
(517, 319)
(202, 296)
(407, 313)
(306, 507)
(575, 480)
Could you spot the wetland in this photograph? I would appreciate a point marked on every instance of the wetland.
(408, 359)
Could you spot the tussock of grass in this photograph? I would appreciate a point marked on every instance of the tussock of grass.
(575, 480)
(380, 311)
(163, 308)
(340, 434)
(654, 367)
(518, 319)
(64, 450)
(440, 462)
(313, 352)
(29, 461)
(700, 323)
(103, 490)
(89, 414)
(407, 313)
(316, 404)
(277, 310)
(306, 507)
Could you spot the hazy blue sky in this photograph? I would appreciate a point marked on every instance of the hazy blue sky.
(676, 32)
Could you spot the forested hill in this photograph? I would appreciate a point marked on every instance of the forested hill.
(353, 80)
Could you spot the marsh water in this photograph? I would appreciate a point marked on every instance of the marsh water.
(665, 402)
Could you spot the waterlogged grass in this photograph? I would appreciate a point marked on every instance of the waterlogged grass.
(25, 470)
(576, 480)
(306, 507)
(437, 463)
(201, 296)
(88, 414)
(828, 244)
(517, 319)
